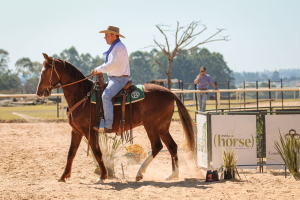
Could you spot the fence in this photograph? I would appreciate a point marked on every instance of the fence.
(217, 92)
(238, 92)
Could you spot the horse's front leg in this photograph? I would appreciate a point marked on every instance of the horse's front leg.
(98, 156)
(75, 142)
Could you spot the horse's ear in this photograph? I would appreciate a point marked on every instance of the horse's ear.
(46, 57)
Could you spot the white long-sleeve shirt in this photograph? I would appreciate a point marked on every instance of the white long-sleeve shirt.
(118, 62)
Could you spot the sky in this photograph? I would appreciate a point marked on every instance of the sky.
(264, 34)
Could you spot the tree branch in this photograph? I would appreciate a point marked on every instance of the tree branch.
(205, 41)
(176, 36)
(186, 44)
(161, 47)
(220, 30)
(158, 26)
(224, 39)
(199, 32)
(187, 34)
(162, 67)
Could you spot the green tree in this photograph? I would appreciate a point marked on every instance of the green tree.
(275, 76)
(28, 69)
(187, 66)
(31, 72)
(139, 63)
(9, 83)
(264, 77)
(72, 56)
(3, 61)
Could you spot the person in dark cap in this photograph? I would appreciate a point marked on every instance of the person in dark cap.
(203, 80)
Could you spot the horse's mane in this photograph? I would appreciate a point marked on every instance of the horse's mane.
(77, 75)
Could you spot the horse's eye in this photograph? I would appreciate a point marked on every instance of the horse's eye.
(44, 73)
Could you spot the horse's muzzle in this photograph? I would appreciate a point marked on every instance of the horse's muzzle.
(44, 93)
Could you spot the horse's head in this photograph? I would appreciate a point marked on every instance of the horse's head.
(49, 77)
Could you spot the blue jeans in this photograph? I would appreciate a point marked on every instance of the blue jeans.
(202, 100)
(115, 84)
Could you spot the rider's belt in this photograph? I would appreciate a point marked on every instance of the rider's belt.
(202, 89)
(120, 76)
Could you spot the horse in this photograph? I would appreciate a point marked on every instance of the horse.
(154, 112)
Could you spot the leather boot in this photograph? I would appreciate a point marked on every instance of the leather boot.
(101, 127)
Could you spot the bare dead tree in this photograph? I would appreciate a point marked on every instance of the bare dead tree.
(182, 43)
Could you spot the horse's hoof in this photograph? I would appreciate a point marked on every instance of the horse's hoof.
(138, 178)
(99, 181)
(171, 177)
(62, 180)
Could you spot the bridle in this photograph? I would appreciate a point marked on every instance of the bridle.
(51, 87)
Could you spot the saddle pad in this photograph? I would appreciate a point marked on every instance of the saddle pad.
(136, 95)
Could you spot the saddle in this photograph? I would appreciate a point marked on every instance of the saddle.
(128, 89)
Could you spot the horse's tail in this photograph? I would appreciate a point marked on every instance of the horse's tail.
(187, 123)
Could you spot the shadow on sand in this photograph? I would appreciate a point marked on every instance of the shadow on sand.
(187, 183)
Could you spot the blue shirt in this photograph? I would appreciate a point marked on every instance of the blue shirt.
(204, 81)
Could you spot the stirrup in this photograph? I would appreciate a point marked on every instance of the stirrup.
(101, 126)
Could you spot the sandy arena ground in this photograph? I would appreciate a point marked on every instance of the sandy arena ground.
(33, 157)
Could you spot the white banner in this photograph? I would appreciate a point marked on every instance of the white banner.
(234, 131)
(274, 124)
(202, 155)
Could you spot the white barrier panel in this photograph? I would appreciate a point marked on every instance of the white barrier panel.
(202, 155)
(238, 132)
(274, 123)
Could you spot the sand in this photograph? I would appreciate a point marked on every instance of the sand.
(33, 157)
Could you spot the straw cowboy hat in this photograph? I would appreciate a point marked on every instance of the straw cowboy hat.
(113, 30)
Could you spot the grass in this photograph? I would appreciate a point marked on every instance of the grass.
(50, 111)
(42, 111)
(288, 149)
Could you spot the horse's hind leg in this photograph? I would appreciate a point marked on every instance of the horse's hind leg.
(76, 139)
(172, 147)
(156, 146)
(98, 156)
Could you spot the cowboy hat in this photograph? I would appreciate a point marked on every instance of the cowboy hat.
(113, 30)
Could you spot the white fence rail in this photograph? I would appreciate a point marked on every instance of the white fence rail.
(218, 92)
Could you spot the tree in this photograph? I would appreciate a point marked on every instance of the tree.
(182, 44)
(71, 55)
(3, 61)
(30, 71)
(27, 68)
(140, 69)
(264, 77)
(187, 66)
(275, 76)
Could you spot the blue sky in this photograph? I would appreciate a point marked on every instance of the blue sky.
(264, 34)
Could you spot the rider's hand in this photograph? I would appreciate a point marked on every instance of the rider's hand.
(93, 72)
(217, 88)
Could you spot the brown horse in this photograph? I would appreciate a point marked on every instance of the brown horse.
(154, 112)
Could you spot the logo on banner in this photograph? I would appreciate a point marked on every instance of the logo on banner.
(275, 153)
(233, 141)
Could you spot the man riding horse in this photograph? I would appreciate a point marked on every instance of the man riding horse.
(118, 70)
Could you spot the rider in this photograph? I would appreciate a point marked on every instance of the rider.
(118, 70)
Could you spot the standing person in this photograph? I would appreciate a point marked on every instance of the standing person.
(202, 81)
(118, 70)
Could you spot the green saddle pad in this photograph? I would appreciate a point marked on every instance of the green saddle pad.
(136, 95)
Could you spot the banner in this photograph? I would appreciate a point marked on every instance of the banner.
(274, 124)
(202, 155)
(234, 131)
